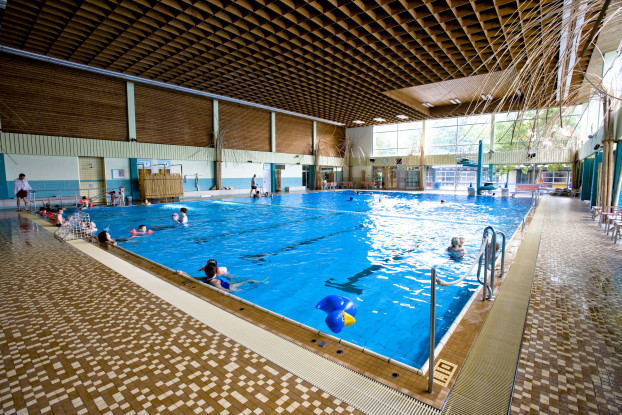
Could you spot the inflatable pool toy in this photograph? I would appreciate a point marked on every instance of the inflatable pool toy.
(340, 312)
(219, 270)
(135, 232)
(175, 217)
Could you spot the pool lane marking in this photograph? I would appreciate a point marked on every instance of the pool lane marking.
(291, 247)
(349, 286)
(345, 384)
(363, 213)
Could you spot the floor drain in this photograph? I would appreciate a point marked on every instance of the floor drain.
(395, 375)
(339, 351)
(241, 308)
(313, 340)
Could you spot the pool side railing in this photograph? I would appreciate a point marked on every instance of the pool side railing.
(486, 257)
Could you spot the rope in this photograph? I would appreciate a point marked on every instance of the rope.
(478, 256)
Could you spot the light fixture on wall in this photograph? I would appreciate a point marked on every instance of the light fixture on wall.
(372, 160)
(597, 146)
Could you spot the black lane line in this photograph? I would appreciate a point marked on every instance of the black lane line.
(350, 286)
(258, 258)
(270, 226)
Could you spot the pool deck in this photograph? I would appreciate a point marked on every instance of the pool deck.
(79, 337)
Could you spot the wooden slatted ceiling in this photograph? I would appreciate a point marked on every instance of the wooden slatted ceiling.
(330, 59)
(39, 98)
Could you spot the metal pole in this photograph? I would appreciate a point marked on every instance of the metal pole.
(432, 319)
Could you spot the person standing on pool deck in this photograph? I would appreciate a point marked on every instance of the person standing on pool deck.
(21, 189)
(253, 184)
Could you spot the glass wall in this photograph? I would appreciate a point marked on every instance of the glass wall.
(529, 130)
(397, 139)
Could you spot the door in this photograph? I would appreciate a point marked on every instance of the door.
(278, 181)
(92, 179)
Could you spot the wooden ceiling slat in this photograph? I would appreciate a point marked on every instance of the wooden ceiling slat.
(327, 58)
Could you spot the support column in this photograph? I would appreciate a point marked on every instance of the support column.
(217, 147)
(6, 191)
(492, 147)
(480, 168)
(422, 158)
(131, 112)
(273, 132)
(617, 179)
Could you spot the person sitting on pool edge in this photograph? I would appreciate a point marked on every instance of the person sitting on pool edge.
(456, 249)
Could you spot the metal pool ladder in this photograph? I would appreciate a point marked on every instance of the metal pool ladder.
(486, 259)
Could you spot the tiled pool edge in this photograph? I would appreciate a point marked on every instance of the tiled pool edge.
(496, 351)
(433, 400)
(360, 391)
(441, 344)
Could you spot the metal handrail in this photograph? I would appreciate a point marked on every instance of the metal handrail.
(487, 253)
(101, 193)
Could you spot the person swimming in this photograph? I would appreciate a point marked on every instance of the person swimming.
(456, 249)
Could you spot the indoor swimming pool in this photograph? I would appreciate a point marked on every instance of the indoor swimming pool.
(374, 248)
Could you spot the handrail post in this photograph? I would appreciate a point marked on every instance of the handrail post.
(502, 253)
(432, 323)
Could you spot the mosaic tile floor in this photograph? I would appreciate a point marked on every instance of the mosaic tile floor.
(76, 337)
(570, 361)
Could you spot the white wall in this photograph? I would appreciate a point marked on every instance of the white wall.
(292, 170)
(41, 167)
(204, 168)
(116, 163)
(361, 136)
(241, 170)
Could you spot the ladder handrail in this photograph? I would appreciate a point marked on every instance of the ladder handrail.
(487, 252)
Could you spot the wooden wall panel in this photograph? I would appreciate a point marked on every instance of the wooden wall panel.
(293, 135)
(46, 99)
(171, 117)
(331, 139)
(245, 128)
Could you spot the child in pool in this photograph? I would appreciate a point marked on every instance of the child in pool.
(183, 218)
(58, 219)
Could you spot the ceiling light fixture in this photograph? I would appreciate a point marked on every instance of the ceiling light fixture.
(358, 122)
(427, 104)
(518, 92)
(455, 101)
(378, 119)
(482, 96)
(402, 117)
(489, 96)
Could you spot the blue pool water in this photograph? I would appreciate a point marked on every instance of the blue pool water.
(376, 250)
